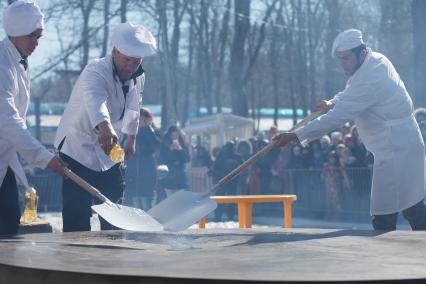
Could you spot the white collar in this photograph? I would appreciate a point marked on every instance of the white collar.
(16, 56)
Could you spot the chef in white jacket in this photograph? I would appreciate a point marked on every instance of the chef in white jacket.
(105, 102)
(375, 98)
(23, 24)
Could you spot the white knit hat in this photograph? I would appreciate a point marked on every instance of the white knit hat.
(133, 41)
(347, 40)
(22, 18)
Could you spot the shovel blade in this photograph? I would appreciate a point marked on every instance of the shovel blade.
(182, 209)
(127, 218)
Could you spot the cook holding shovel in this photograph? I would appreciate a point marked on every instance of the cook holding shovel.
(376, 99)
(105, 102)
(23, 23)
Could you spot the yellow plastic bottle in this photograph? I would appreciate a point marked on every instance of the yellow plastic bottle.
(30, 212)
(117, 154)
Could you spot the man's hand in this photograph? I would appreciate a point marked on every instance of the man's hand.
(106, 137)
(324, 107)
(129, 146)
(283, 139)
(57, 165)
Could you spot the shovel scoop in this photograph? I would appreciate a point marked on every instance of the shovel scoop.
(182, 209)
(124, 217)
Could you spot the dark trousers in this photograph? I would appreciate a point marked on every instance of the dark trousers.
(76, 202)
(415, 215)
(9, 205)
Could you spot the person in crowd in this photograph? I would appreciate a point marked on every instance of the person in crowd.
(273, 130)
(347, 140)
(174, 153)
(215, 153)
(317, 159)
(23, 24)
(263, 167)
(336, 138)
(345, 129)
(247, 177)
(244, 148)
(325, 147)
(279, 169)
(296, 161)
(335, 179)
(201, 157)
(376, 99)
(349, 160)
(358, 148)
(104, 102)
(227, 160)
(141, 170)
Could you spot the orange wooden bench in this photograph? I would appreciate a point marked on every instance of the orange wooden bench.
(245, 206)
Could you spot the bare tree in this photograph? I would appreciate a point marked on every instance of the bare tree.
(86, 7)
(241, 30)
(315, 29)
(239, 74)
(395, 27)
(106, 12)
(123, 11)
(275, 50)
(169, 57)
(189, 67)
(222, 44)
(330, 70)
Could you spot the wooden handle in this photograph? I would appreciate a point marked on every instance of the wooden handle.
(305, 121)
(86, 186)
(258, 155)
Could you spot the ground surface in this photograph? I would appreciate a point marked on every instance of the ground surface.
(256, 254)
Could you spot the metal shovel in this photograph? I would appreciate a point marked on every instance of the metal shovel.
(184, 208)
(124, 217)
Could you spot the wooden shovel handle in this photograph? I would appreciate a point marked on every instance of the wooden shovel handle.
(258, 155)
(85, 185)
(305, 121)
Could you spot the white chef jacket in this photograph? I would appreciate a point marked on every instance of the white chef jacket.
(14, 101)
(375, 98)
(96, 97)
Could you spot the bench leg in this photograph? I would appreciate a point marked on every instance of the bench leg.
(244, 214)
(287, 213)
(249, 215)
(202, 223)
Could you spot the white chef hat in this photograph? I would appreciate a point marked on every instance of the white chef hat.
(347, 40)
(133, 41)
(22, 18)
